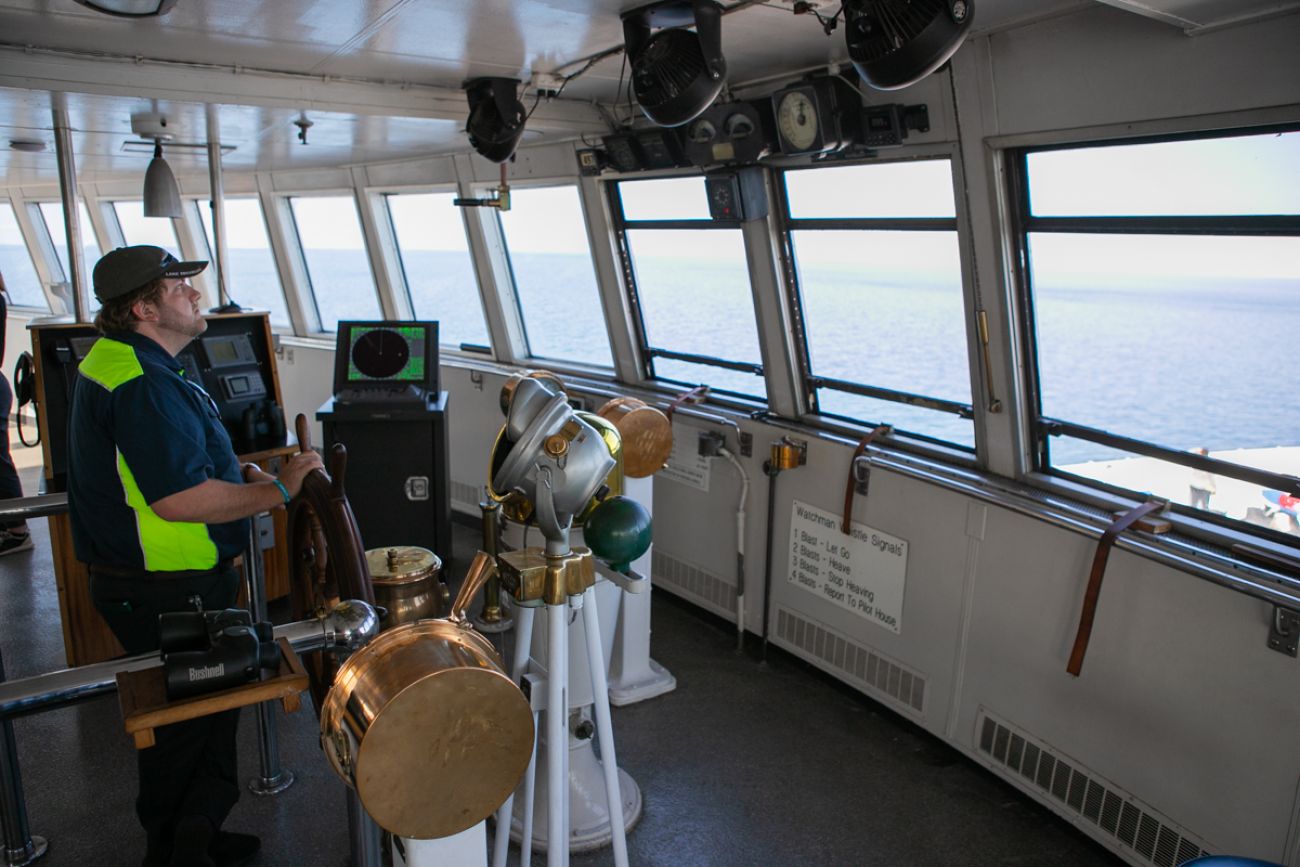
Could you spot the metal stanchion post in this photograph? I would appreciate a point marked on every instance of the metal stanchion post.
(20, 846)
(367, 837)
(274, 779)
(493, 617)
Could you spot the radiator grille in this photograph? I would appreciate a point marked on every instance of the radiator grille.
(692, 582)
(865, 668)
(1116, 814)
(466, 497)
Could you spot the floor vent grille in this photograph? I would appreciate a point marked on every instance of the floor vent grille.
(862, 666)
(1115, 813)
(691, 581)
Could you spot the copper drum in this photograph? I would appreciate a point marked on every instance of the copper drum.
(424, 723)
(407, 584)
(647, 435)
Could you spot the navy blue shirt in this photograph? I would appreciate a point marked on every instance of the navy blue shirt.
(140, 431)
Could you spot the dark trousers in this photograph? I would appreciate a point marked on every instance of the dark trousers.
(10, 487)
(191, 770)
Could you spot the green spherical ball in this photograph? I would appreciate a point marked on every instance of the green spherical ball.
(618, 531)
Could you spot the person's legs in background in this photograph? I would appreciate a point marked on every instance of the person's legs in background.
(13, 537)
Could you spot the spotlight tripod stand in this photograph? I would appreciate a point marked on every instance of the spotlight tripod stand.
(561, 578)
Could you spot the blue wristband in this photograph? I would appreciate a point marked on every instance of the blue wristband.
(284, 492)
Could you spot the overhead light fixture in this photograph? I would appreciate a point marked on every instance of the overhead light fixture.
(162, 198)
(676, 74)
(130, 8)
(496, 117)
(131, 146)
(303, 125)
(26, 145)
(896, 43)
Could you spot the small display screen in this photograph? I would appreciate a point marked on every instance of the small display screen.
(387, 353)
(222, 351)
(81, 346)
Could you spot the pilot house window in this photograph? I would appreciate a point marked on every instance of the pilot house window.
(437, 266)
(334, 251)
(1164, 283)
(878, 283)
(555, 284)
(690, 282)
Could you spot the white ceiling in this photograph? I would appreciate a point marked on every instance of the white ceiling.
(379, 79)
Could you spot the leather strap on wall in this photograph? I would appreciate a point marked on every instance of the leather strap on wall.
(1093, 593)
(852, 480)
(695, 395)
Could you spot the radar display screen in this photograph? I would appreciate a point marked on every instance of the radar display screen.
(391, 353)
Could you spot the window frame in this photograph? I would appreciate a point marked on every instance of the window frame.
(620, 225)
(202, 237)
(401, 281)
(786, 225)
(1021, 223)
(502, 272)
(302, 270)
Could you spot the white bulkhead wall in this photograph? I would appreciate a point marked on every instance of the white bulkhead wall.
(1181, 709)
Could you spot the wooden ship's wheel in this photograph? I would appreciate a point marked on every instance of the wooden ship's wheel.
(327, 561)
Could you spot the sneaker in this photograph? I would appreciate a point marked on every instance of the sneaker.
(11, 542)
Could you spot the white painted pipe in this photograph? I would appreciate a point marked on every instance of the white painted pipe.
(604, 726)
(505, 813)
(557, 741)
(740, 547)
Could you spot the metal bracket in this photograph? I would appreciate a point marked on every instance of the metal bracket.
(861, 475)
(1283, 630)
(265, 525)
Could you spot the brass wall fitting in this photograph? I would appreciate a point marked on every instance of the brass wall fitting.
(788, 453)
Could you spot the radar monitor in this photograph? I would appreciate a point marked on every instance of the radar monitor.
(386, 361)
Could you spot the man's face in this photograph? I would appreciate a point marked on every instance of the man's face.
(178, 309)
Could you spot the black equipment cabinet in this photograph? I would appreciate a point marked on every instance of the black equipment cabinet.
(397, 471)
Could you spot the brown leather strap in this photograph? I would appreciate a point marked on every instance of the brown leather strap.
(1093, 593)
(852, 480)
(695, 394)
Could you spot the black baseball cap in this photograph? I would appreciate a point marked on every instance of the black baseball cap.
(128, 268)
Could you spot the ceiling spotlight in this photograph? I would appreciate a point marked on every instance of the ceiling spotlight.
(496, 117)
(26, 145)
(896, 43)
(162, 198)
(303, 125)
(130, 8)
(676, 74)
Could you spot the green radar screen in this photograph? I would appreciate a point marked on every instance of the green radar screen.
(391, 353)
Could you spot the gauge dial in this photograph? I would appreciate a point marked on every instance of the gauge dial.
(702, 131)
(380, 354)
(797, 121)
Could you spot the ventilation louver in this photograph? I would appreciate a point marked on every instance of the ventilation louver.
(676, 73)
(896, 43)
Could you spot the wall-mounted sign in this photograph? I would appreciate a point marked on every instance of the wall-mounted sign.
(685, 466)
(863, 572)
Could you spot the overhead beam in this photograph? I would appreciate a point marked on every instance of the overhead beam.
(30, 68)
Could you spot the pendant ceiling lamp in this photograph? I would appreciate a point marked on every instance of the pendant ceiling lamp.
(162, 198)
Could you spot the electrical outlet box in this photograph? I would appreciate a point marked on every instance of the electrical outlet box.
(711, 444)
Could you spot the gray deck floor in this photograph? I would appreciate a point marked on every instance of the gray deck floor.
(742, 765)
